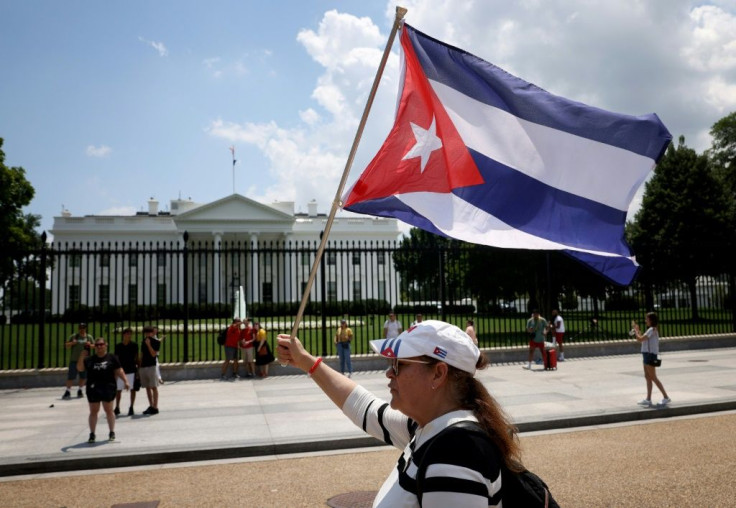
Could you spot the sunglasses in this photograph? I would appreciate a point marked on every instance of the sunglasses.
(393, 364)
(100, 344)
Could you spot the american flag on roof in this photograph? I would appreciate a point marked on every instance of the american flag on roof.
(482, 156)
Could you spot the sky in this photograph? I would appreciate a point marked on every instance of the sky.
(108, 104)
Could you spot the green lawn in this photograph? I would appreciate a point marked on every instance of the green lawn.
(19, 344)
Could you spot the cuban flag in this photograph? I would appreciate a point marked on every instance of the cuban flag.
(482, 156)
(438, 351)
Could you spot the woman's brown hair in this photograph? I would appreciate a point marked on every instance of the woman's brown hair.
(472, 395)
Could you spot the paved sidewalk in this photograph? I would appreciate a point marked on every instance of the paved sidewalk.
(204, 420)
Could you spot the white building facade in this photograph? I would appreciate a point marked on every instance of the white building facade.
(200, 253)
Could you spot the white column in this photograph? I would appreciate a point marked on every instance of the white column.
(217, 297)
(180, 272)
(255, 267)
(288, 286)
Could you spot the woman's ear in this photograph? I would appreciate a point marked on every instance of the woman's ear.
(441, 371)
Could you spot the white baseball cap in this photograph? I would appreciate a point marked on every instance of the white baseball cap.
(435, 339)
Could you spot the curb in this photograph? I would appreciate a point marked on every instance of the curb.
(157, 457)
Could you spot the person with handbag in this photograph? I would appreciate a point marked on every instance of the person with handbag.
(264, 356)
(650, 353)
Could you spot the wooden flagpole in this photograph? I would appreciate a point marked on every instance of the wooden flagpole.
(400, 13)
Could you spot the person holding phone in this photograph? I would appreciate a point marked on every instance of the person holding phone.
(650, 352)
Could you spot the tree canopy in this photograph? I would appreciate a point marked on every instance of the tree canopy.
(682, 230)
(17, 229)
(723, 150)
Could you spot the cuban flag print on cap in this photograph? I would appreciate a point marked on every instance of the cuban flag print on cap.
(390, 348)
(482, 156)
(438, 351)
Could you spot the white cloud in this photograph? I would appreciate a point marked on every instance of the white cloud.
(158, 46)
(712, 42)
(100, 152)
(309, 116)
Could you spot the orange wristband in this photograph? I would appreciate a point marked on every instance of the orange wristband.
(314, 367)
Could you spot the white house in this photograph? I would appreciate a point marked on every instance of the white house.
(268, 249)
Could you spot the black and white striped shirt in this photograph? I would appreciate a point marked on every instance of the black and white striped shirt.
(462, 468)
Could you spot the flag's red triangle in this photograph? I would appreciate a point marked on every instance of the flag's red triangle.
(446, 168)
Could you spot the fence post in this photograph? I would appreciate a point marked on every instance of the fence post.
(323, 289)
(42, 287)
(185, 349)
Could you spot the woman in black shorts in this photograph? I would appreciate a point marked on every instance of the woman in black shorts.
(102, 369)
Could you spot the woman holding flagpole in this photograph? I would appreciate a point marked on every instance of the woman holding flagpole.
(437, 408)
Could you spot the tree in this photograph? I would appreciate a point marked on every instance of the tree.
(723, 150)
(17, 230)
(682, 229)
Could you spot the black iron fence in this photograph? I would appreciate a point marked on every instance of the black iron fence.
(189, 291)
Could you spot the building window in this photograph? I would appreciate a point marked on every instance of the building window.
(331, 291)
(332, 258)
(132, 294)
(267, 292)
(381, 257)
(105, 260)
(132, 260)
(161, 295)
(75, 260)
(382, 290)
(356, 258)
(74, 294)
(305, 259)
(356, 290)
(104, 295)
(303, 287)
(267, 258)
(161, 259)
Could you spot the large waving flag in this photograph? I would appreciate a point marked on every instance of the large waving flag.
(482, 156)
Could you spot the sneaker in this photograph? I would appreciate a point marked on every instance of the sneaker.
(79, 394)
(527, 367)
(111, 437)
(645, 402)
(130, 411)
(538, 361)
(154, 411)
(91, 437)
(561, 358)
(66, 395)
(665, 401)
(148, 411)
(116, 411)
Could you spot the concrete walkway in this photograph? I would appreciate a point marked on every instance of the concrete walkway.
(212, 419)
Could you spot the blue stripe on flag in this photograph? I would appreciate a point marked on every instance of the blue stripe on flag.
(544, 211)
(492, 85)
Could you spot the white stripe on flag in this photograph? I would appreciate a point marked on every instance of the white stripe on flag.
(590, 169)
(459, 219)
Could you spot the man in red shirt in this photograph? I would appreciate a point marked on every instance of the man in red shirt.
(231, 348)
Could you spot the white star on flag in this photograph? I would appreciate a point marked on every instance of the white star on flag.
(427, 142)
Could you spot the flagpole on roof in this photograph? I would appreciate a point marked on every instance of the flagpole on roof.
(398, 20)
(232, 151)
